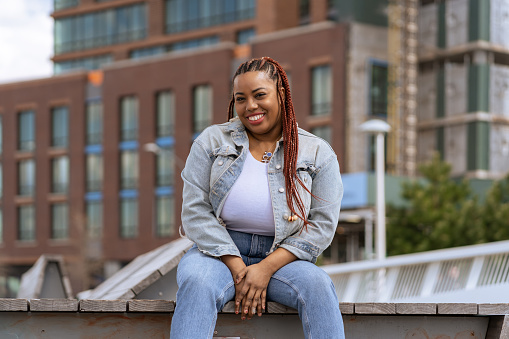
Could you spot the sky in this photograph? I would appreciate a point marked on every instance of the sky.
(26, 39)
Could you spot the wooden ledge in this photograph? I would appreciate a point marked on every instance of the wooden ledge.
(165, 306)
(13, 305)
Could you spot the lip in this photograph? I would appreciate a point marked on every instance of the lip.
(255, 122)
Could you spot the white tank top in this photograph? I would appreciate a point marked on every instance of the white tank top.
(248, 207)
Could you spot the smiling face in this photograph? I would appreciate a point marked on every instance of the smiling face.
(257, 104)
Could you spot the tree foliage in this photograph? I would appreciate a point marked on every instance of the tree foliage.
(442, 212)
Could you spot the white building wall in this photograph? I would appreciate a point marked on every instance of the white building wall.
(455, 148)
(499, 23)
(426, 145)
(456, 89)
(499, 90)
(456, 21)
(499, 149)
(428, 28)
(366, 42)
(427, 96)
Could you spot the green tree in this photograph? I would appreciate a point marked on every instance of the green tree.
(440, 213)
(495, 211)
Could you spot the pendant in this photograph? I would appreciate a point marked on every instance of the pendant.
(266, 157)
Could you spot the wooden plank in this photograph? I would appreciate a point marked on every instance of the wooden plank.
(53, 305)
(139, 305)
(229, 307)
(147, 281)
(457, 308)
(493, 309)
(375, 308)
(273, 307)
(416, 308)
(90, 305)
(347, 308)
(9, 305)
(498, 327)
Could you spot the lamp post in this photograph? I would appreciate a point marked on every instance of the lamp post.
(379, 128)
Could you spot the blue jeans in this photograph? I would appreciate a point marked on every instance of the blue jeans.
(206, 285)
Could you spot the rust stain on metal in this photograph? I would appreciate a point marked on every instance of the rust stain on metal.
(417, 333)
(468, 334)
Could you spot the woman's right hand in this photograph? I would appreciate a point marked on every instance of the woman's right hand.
(235, 265)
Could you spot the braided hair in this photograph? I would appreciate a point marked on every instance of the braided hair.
(290, 134)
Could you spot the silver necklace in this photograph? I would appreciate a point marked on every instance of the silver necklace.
(268, 154)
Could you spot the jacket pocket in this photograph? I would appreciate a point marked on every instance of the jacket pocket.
(224, 156)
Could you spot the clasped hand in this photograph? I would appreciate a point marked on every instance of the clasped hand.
(251, 290)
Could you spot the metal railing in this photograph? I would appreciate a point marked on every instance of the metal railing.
(478, 273)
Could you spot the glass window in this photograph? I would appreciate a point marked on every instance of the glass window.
(59, 221)
(165, 213)
(107, 27)
(321, 90)
(60, 127)
(165, 113)
(61, 4)
(378, 99)
(94, 219)
(202, 108)
(129, 169)
(185, 15)
(26, 131)
(129, 118)
(89, 63)
(26, 177)
(26, 222)
(245, 35)
(129, 218)
(324, 132)
(94, 172)
(165, 167)
(60, 176)
(94, 123)
(304, 12)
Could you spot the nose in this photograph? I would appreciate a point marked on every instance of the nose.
(251, 104)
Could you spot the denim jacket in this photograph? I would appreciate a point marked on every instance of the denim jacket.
(214, 164)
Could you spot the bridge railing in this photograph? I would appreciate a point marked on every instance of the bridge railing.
(448, 275)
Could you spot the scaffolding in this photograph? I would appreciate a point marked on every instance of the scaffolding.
(402, 87)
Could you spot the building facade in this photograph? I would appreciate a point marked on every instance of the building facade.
(463, 94)
(91, 157)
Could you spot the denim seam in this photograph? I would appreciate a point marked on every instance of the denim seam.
(304, 312)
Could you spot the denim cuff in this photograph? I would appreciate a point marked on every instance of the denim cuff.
(220, 251)
(298, 252)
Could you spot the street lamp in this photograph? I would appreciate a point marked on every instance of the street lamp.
(379, 128)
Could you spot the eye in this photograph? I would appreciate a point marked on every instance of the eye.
(259, 95)
(239, 99)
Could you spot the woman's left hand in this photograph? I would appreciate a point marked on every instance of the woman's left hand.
(252, 296)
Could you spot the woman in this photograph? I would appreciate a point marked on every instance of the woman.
(261, 201)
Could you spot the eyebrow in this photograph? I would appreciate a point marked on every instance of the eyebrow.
(255, 90)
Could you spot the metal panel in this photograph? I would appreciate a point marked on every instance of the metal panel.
(456, 80)
(427, 96)
(499, 149)
(499, 85)
(157, 325)
(427, 145)
(428, 27)
(456, 21)
(455, 148)
(499, 23)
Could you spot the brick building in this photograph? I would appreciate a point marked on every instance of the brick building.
(91, 157)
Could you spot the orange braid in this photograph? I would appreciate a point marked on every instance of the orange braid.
(290, 131)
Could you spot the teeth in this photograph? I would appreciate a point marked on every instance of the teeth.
(255, 117)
